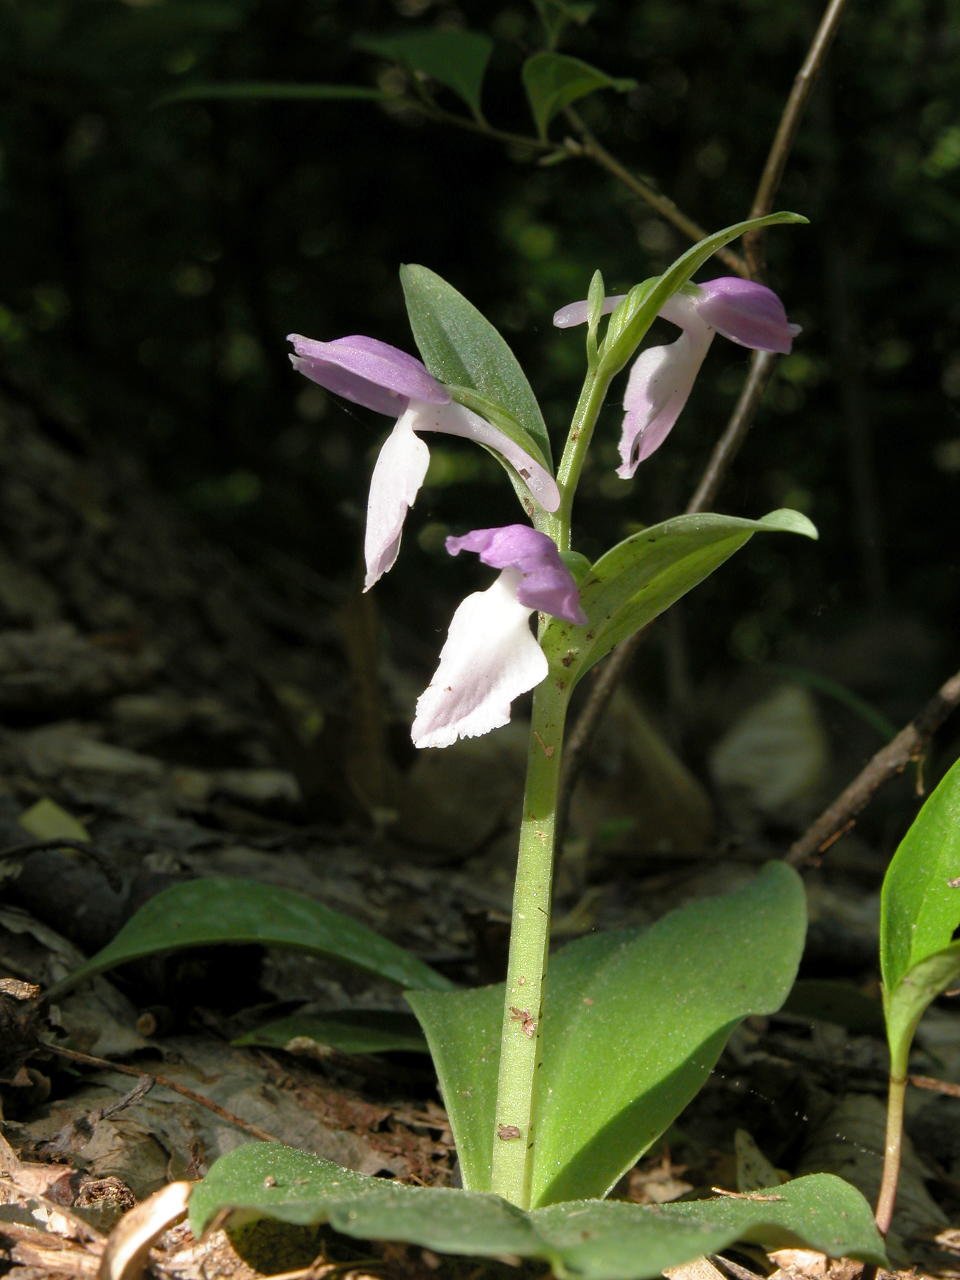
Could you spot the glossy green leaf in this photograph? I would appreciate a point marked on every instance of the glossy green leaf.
(919, 916)
(461, 347)
(457, 59)
(271, 90)
(634, 316)
(555, 80)
(227, 910)
(353, 1031)
(464, 1040)
(908, 1001)
(920, 900)
(595, 1240)
(633, 1024)
(641, 577)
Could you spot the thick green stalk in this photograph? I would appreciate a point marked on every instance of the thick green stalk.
(521, 1038)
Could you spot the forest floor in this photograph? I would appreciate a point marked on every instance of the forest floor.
(191, 718)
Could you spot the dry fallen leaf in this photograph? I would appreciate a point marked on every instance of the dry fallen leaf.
(134, 1235)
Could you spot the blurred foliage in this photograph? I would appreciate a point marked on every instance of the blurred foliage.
(155, 255)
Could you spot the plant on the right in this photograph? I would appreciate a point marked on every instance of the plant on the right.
(919, 950)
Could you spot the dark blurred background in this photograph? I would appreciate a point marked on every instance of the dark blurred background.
(155, 256)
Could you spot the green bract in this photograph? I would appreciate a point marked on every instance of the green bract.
(634, 316)
(642, 576)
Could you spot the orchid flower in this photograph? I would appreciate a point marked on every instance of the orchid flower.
(491, 656)
(389, 381)
(662, 377)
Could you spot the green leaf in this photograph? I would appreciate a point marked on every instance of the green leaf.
(633, 1024)
(345, 1030)
(634, 316)
(919, 915)
(457, 59)
(227, 910)
(595, 1240)
(554, 80)
(908, 1001)
(461, 347)
(46, 820)
(919, 902)
(642, 576)
(275, 90)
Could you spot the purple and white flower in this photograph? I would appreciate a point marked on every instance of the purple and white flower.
(662, 377)
(389, 381)
(491, 656)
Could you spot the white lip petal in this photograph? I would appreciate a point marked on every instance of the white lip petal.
(490, 657)
(394, 485)
(659, 385)
(455, 420)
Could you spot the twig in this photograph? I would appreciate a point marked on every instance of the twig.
(595, 151)
(726, 449)
(786, 133)
(104, 1064)
(729, 445)
(909, 744)
(735, 432)
(110, 872)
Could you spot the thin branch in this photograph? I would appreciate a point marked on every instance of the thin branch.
(726, 449)
(589, 147)
(786, 133)
(761, 367)
(104, 1064)
(909, 745)
(729, 445)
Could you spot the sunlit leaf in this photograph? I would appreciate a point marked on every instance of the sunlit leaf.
(595, 1240)
(633, 1023)
(642, 576)
(461, 347)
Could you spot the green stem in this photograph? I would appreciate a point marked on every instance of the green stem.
(575, 451)
(521, 1038)
(893, 1141)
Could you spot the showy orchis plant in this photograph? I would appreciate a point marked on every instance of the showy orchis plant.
(490, 656)
(553, 1090)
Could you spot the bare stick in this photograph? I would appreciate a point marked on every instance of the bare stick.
(735, 432)
(88, 1060)
(589, 147)
(786, 133)
(909, 744)
(726, 449)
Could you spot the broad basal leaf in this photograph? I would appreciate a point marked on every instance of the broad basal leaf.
(555, 80)
(595, 1240)
(633, 1024)
(203, 913)
(457, 59)
(352, 1031)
